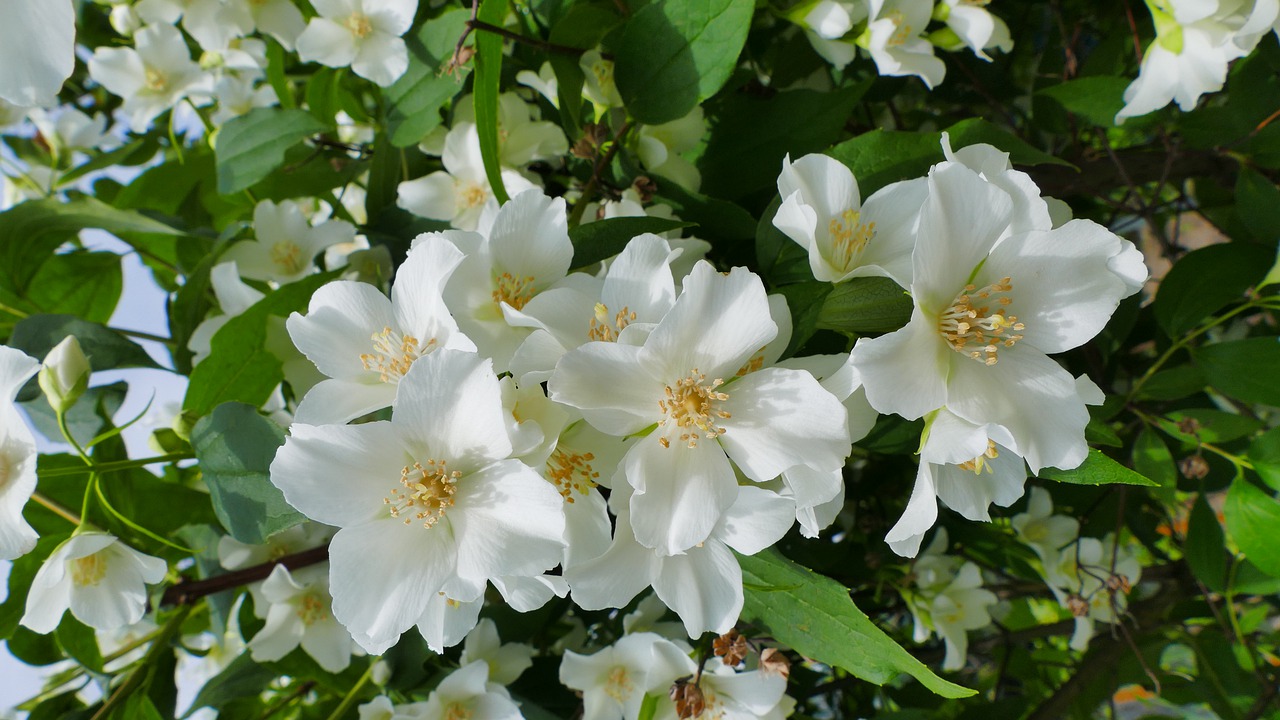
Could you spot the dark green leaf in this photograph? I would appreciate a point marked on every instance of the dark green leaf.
(1252, 518)
(1097, 469)
(814, 616)
(880, 157)
(242, 678)
(235, 446)
(1097, 99)
(1258, 205)
(251, 146)
(1206, 280)
(804, 301)
(676, 53)
(1212, 426)
(865, 305)
(1264, 453)
(416, 98)
(602, 239)
(1206, 546)
(779, 258)
(976, 130)
(105, 348)
(79, 643)
(1174, 383)
(1151, 458)
(485, 93)
(1244, 369)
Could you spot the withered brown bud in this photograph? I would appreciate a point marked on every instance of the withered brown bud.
(1189, 426)
(587, 146)
(1193, 467)
(731, 647)
(773, 662)
(688, 699)
(645, 187)
(461, 57)
(1078, 606)
(1118, 583)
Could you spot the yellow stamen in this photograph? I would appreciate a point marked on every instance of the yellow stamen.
(429, 493)
(571, 472)
(972, 328)
(516, 292)
(359, 25)
(980, 464)
(287, 257)
(90, 569)
(393, 353)
(849, 237)
(312, 610)
(601, 329)
(692, 406)
(619, 685)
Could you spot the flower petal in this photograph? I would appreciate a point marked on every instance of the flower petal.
(703, 587)
(339, 475)
(782, 418)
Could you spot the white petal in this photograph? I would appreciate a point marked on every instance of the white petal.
(431, 196)
(640, 279)
(905, 372)
(381, 58)
(612, 386)
(680, 492)
(37, 49)
(341, 319)
(508, 521)
(418, 292)
(279, 637)
(339, 475)
(326, 42)
(450, 404)
(920, 515)
(757, 519)
(617, 576)
(530, 238)
(331, 402)
(783, 418)
(704, 587)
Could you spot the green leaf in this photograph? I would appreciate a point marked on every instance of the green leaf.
(242, 678)
(1174, 383)
(865, 305)
(752, 135)
(1244, 369)
(251, 146)
(1205, 281)
(814, 616)
(976, 130)
(1264, 453)
(648, 707)
(1206, 546)
(1258, 205)
(880, 157)
(322, 90)
(485, 93)
(1151, 458)
(1097, 469)
(235, 446)
(676, 53)
(79, 643)
(804, 301)
(105, 348)
(87, 284)
(602, 239)
(1213, 426)
(779, 259)
(1252, 519)
(416, 98)
(276, 75)
(239, 367)
(1096, 99)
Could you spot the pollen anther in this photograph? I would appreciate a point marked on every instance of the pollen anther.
(393, 353)
(428, 493)
(978, 322)
(692, 406)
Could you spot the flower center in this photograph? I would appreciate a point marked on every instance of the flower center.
(90, 569)
(849, 237)
(977, 323)
(155, 80)
(287, 257)
(692, 406)
(979, 464)
(903, 31)
(457, 711)
(514, 291)
(603, 70)
(571, 472)
(359, 25)
(619, 685)
(312, 609)
(472, 195)
(427, 494)
(600, 327)
(393, 353)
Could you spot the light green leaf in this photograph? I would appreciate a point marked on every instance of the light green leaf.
(865, 305)
(235, 446)
(1151, 458)
(1252, 519)
(251, 146)
(814, 616)
(1244, 369)
(1097, 469)
(79, 643)
(416, 98)
(1096, 99)
(676, 53)
(485, 93)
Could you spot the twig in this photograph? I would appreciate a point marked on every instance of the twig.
(602, 162)
(186, 592)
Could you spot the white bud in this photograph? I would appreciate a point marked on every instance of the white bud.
(125, 20)
(65, 374)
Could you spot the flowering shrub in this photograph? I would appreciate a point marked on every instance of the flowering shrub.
(609, 360)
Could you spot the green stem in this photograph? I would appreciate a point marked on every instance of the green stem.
(1182, 342)
(56, 509)
(116, 465)
(144, 336)
(66, 434)
(136, 677)
(102, 498)
(350, 698)
(1231, 613)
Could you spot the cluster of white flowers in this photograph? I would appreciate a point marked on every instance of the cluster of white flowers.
(896, 35)
(996, 286)
(946, 597)
(1195, 41)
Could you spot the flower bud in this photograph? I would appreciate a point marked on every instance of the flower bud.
(65, 375)
(125, 20)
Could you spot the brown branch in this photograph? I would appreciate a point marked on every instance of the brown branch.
(191, 590)
(1140, 166)
(532, 42)
(602, 163)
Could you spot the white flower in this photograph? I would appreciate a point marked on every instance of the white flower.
(365, 343)
(960, 606)
(72, 130)
(976, 27)
(1194, 44)
(1031, 211)
(614, 681)
(466, 693)
(968, 467)
(65, 374)
(1045, 532)
(544, 81)
(285, 245)
(280, 19)
(426, 503)
(1092, 578)
(213, 23)
(152, 78)
(894, 37)
(300, 614)
(825, 24)
(237, 95)
(37, 50)
(461, 191)
(364, 34)
(730, 695)
(235, 555)
(637, 289)
(582, 459)
(506, 661)
(522, 137)
(17, 456)
(599, 86)
(987, 313)
(660, 146)
(822, 212)
(100, 579)
(694, 382)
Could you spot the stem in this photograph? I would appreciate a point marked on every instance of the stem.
(56, 509)
(350, 698)
(136, 677)
(302, 689)
(143, 335)
(116, 465)
(186, 592)
(66, 433)
(1182, 342)
(517, 37)
(588, 190)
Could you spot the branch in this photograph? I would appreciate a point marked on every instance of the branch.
(189, 591)
(1140, 165)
